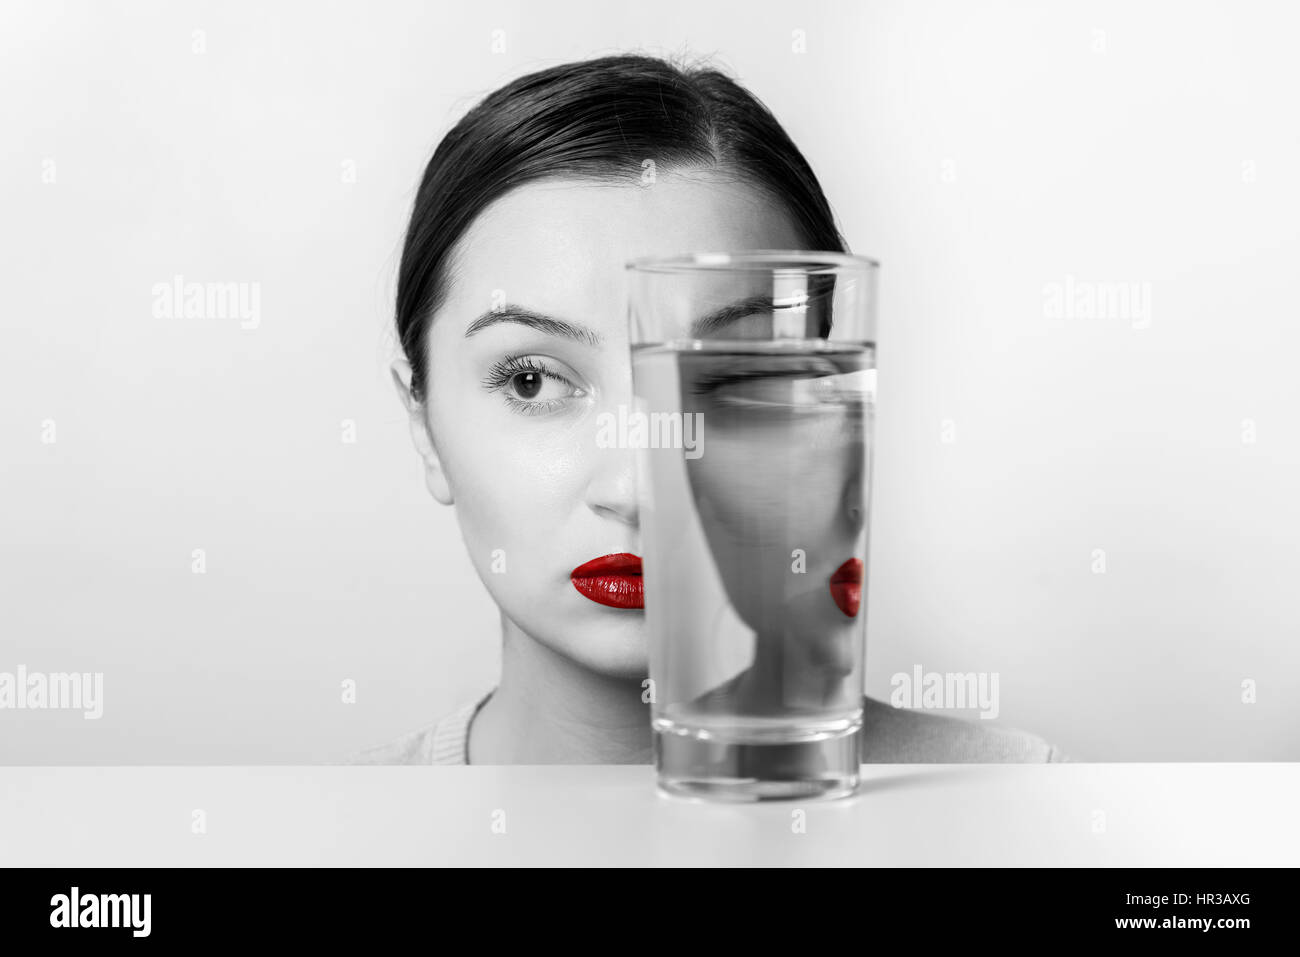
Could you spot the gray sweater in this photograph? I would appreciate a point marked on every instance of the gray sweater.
(890, 736)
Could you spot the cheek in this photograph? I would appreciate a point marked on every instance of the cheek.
(780, 483)
(515, 487)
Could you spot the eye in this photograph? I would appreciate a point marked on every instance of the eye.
(775, 392)
(788, 383)
(529, 385)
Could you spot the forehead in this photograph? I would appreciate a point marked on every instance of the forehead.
(560, 246)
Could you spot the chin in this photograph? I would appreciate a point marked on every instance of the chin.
(835, 658)
(621, 667)
(612, 656)
(612, 649)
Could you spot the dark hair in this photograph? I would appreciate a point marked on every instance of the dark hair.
(594, 119)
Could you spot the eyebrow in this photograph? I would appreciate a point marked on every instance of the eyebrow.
(547, 325)
(725, 316)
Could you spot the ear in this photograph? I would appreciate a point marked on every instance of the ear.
(434, 476)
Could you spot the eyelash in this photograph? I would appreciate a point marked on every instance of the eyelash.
(504, 370)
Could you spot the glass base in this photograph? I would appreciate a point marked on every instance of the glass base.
(692, 764)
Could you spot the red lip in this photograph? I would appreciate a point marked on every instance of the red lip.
(846, 586)
(613, 580)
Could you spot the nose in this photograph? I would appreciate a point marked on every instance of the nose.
(854, 501)
(612, 490)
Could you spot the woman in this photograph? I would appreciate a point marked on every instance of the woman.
(511, 312)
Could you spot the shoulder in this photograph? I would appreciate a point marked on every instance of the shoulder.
(444, 741)
(414, 747)
(901, 736)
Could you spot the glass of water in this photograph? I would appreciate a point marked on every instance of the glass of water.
(754, 378)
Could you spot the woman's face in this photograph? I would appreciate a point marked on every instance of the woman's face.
(512, 406)
(783, 474)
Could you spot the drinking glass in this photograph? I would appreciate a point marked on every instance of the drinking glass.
(754, 379)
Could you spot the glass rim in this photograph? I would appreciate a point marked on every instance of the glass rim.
(743, 259)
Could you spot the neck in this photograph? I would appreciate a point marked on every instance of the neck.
(549, 709)
(782, 676)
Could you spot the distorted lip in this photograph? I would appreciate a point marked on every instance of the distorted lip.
(850, 573)
(846, 586)
(619, 563)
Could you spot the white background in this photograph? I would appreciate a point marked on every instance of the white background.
(981, 151)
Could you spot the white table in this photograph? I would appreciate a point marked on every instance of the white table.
(1071, 814)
